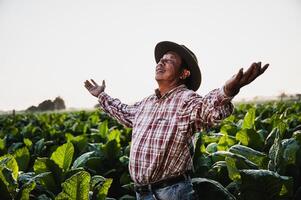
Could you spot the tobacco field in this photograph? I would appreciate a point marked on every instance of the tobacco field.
(253, 154)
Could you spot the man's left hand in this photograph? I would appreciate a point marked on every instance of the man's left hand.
(233, 85)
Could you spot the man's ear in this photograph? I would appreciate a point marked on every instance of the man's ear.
(185, 74)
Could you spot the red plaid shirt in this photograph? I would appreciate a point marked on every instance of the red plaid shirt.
(163, 128)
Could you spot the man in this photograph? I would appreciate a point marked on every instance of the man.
(164, 123)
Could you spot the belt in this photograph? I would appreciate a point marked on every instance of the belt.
(142, 189)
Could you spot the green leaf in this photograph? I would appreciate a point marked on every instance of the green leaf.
(114, 135)
(257, 157)
(229, 129)
(50, 181)
(103, 191)
(127, 197)
(111, 150)
(211, 190)
(285, 154)
(225, 142)
(124, 160)
(81, 160)
(76, 187)
(264, 184)
(79, 141)
(39, 147)
(103, 129)
(27, 142)
(26, 189)
(96, 180)
(291, 147)
(63, 156)
(22, 157)
(6, 176)
(250, 138)
(2, 144)
(44, 197)
(10, 162)
(232, 169)
(212, 147)
(249, 119)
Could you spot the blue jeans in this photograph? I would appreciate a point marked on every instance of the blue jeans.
(179, 191)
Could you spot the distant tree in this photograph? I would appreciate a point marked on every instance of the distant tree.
(59, 103)
(282, 96)
(32, 109)
(46, 105)
(298, 96)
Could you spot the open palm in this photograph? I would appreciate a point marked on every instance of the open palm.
(242, 78)
(94, 88)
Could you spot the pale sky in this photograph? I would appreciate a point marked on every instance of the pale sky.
(48, 48)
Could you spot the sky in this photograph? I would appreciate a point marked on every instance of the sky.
(48, 48)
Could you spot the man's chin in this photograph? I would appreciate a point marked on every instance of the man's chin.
(158, 77)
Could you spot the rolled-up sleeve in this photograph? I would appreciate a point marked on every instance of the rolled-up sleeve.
(209, 110)
(124, 113)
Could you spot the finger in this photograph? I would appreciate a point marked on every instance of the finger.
(247, 74)
(259, 64)
(258, 72)
(88, 85)
(94, 82)
(255, 73)
(239, 74)
(103, 83)
(87, 82)
(262, 70)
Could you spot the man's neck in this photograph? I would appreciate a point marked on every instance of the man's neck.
(164, 88)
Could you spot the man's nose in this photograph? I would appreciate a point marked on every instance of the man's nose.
(161, 61)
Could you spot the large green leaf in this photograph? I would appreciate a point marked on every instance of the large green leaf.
(232, 169)
(114, 135)
(50, 181)
(111, 150)
(10, 162)
(79, 142)
(76, 187)
(264, 184)
(103, 129)
(22, 157)
(249, 119)
(257, 157)
(104, 189)
(8, 183)
(63, 156)
(250, 138)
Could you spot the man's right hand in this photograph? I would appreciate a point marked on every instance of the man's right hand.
(94, 88)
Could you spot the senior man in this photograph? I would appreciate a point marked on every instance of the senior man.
(164, 123)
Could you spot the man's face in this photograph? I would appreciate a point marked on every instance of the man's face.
(168, 68)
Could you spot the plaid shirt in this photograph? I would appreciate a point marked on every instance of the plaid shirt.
(163, 128)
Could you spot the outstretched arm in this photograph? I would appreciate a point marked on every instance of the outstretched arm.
(216, 105)
(122, 112)
(233, 85)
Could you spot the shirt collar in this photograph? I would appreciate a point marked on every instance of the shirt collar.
(158, 94)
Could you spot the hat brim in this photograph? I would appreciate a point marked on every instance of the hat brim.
(193, 82)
